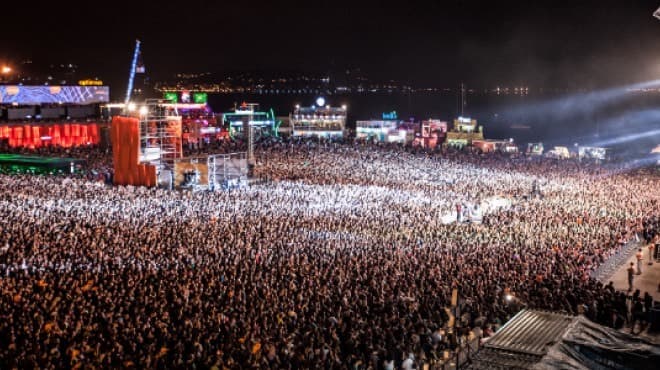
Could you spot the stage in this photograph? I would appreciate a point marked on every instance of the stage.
(17, 163)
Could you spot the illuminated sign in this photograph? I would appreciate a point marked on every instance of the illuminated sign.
(390, 115)
(185, 96)
(33, 95)
(89, 82)
(171, 96)
(200, 98)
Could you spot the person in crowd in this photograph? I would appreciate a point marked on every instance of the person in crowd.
(631, 276)
(341, 260)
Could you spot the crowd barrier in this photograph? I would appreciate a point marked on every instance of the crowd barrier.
(605, 271)
(57, 134)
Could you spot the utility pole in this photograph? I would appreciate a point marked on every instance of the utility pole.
(463, 102)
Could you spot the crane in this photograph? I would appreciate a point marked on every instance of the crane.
(131, 76)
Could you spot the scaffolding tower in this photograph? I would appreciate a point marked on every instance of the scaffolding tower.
(228, 170)
(160, 134)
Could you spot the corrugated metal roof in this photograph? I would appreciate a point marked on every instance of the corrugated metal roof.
(522, 341)
(494, 359)
(531, 332)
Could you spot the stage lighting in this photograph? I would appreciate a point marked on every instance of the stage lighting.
(131, 107)
(657, 13)
(144, 110)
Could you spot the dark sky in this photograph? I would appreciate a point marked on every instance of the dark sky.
(560, 43)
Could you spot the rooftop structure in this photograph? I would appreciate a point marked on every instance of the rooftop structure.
(320, 120)
(547, 340)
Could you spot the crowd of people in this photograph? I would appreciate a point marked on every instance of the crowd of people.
(341, 260)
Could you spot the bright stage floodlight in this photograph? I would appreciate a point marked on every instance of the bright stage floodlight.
(657, 13)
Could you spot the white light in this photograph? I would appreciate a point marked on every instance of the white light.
(144, 110)
(320, 101)
(343, 107)
(131, 107)
(508, 297)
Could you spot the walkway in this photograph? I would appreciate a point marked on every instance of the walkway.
(646, 282)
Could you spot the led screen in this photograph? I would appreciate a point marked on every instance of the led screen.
(32, 95)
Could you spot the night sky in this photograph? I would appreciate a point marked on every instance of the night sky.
(428, 43)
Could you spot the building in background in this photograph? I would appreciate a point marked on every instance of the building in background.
(432, 132)
(492, 145)
(36, 103)
(377, 130)
(318, 120)
(535, 149)
(465, 130)
(388, 129)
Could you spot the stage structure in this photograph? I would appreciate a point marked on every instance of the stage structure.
(264, 124)
(146, 144)
(219, 171)
(160, 134)
(147, 151)
(248, 122)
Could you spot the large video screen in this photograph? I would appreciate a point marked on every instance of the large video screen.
(32, 95)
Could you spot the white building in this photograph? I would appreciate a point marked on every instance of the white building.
(319, 120)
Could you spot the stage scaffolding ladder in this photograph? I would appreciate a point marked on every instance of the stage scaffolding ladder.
(160, 134)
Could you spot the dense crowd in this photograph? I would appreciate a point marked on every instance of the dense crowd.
(342, 260)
